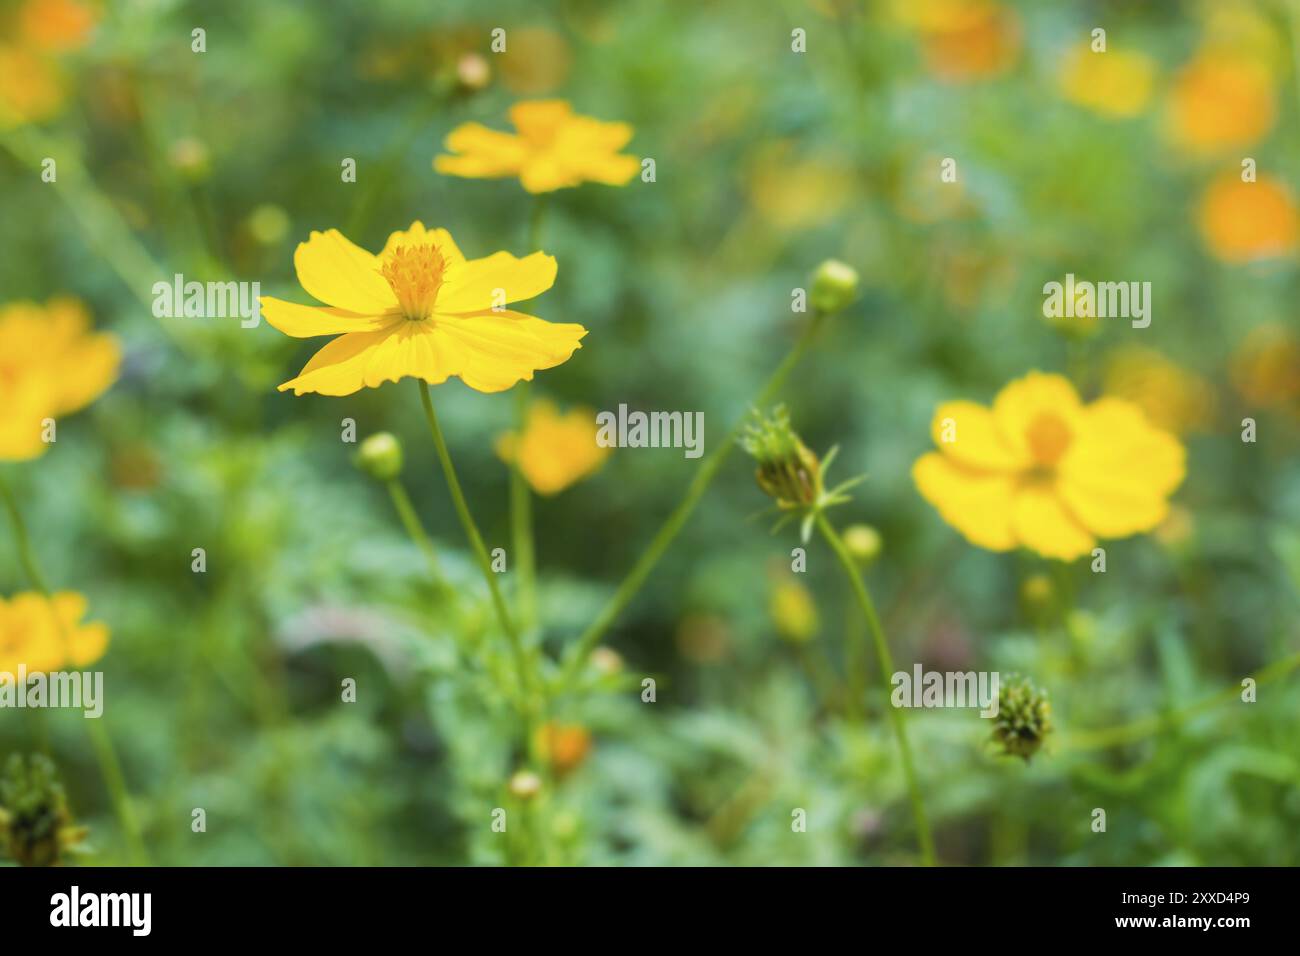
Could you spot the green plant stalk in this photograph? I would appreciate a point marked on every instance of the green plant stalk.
(631, 584)
(106, 756)
(1146, 726)
(411, 522)
(521, 500)
(886, 662)
(522, 663)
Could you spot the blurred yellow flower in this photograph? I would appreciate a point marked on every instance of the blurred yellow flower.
(1114, 83)
(1244, 222)
(1220, 101)
(563, 746)
(56, 24)
(793, 611)
(554, 450)
(47, 634)
(51, 364)
(1172, 397)
(535, 62)
(1043, 471)
(554, 148)
(794, 192)
(963, 39)
(419, 309)
(1266, 367)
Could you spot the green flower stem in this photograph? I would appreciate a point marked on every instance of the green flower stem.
(590, 638)
(886, 662)
(521, 522)
(411, 522)
(521, 500)
(522, 662)
(1147, 726)
(109, 766)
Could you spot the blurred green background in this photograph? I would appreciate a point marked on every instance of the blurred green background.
(223, 688)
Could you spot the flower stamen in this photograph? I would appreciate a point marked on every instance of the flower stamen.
(414, 273)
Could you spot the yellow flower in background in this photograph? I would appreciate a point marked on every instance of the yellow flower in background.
(1266, 367)
(553, 148)
(1245, 222)
(1172, 397)
(554, 450)
(32, 85)
(1114, 83)
(419, 309)
(51, 364)
(793, 611)
(1042, 471)
(47, 634)
(963, 40)
(1220, 101)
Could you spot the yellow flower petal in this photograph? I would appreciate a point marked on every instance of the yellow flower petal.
(339, 368)
(539, 120)
(494, 350)
(305, 321)
(472, 286)
(417, 235)
(554, 450)
(1120, 470)
(969, 434)
(483, 152)
(1043, 524)
(342, 274)
(978, 504)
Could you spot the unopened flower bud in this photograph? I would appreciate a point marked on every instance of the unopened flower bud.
(863, 541)
(834, 286)
(606, 660)
(1024, 718)
(473, 71)
(787, 470)
(36, 827)
(380, 456)
(525, 784)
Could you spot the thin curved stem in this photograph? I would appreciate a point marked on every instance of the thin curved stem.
(631, 584)
(886, 661)
(1146, 726)
(411, 522)
(522, 663)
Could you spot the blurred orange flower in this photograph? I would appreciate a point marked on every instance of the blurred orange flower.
(1244, 222)
(1266, 367)
(1220, 101)
(563, 746)
(963, 40)
(554, 148)
(32, 85)
(51, 364)
(1043, 471)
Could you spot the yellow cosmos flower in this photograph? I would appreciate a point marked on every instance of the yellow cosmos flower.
(1220, 101)
(419, 309)
(1246, 222)
(554, 450)
(32, 85)
(47, 634)
(1043, 471)
(963, 39)
(50, 365)
(1114, 83)
(563, 746)
(554, 148)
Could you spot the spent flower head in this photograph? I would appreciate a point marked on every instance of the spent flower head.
(36, 827)
(1024, 718)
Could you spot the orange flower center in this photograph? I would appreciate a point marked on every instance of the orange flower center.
(1048, 437)
(414, 273)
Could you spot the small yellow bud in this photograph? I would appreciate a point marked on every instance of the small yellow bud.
(864, 542)
(473, 72)
(793, 612)
(380, 456)
(834, 286)
(606, 660)
(268, 224)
